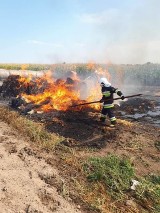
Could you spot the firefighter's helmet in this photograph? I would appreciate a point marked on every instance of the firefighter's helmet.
(104, 82)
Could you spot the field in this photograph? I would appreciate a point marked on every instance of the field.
(145, 74)
(75, 163)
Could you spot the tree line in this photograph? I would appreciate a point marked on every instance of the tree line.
(145, 74)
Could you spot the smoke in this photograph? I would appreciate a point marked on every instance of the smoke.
(123, 78)
(128, 34)
(87, 83)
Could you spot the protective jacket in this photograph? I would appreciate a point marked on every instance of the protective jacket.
(107, 93)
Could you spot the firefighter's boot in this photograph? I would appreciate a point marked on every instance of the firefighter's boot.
(113, 123)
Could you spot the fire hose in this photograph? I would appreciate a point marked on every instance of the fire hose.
(94, 102)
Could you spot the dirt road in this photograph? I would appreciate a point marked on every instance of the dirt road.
(22, 185)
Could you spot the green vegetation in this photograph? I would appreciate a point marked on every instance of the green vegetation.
(148, 193)
(114, 172)
(146, 74)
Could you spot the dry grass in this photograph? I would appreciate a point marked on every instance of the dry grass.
(94, 194)
(125, 123)
(35, 132)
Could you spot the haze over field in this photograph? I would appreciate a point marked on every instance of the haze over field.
(54, 31)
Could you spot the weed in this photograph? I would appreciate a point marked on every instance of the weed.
(155, 179)
(114, 172)
(148, 192)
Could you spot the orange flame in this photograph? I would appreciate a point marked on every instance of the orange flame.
(56, 97)
(59, 94)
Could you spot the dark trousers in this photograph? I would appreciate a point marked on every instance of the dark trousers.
(108, 112)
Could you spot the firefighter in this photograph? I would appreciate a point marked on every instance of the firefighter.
(107, 100)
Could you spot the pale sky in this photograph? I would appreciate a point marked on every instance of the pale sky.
(80, 31)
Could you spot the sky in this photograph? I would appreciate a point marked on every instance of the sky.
(80, 31)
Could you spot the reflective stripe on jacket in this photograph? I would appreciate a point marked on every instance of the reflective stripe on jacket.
(106, 106)
(107, 93)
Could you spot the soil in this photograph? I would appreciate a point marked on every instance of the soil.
(22, 180)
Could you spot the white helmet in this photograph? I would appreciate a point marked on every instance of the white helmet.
(104, 82)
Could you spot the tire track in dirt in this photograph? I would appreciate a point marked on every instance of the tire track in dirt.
(22, 187)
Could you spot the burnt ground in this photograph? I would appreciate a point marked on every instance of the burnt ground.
(83, 128)
(77, 127)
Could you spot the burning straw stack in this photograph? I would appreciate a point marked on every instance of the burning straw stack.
(39, 95)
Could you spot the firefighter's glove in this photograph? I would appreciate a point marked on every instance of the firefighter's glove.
(102, 100)
(122, 97)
